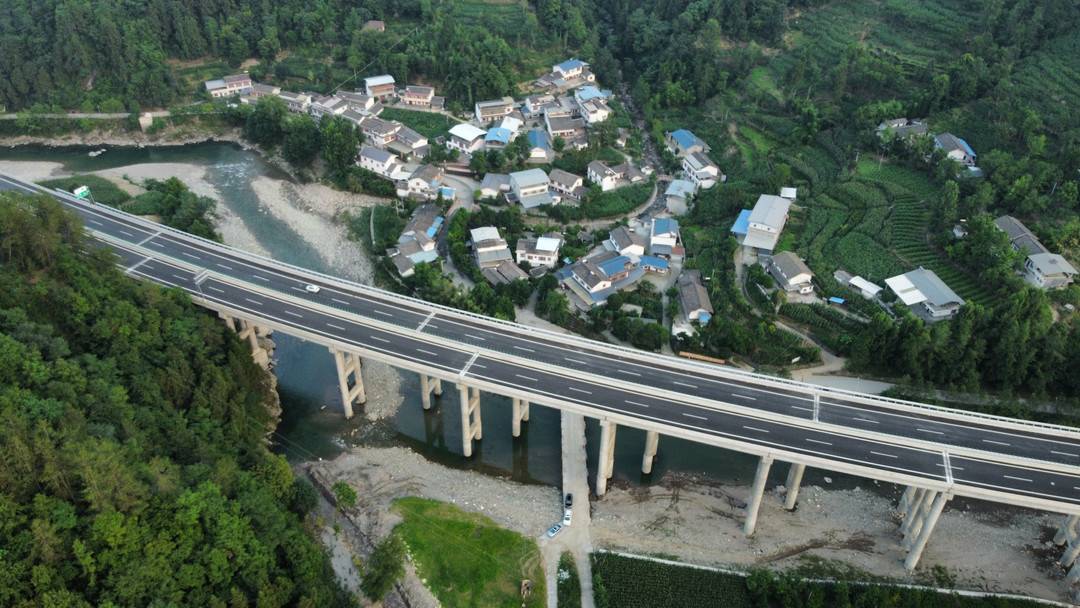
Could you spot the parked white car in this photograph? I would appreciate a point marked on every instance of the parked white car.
(554, 530)
(567, 517)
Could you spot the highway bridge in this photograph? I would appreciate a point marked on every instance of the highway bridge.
(937, 453)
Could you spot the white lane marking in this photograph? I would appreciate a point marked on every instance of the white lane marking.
(637, 403)
(126, 233)
(256, 302)
(425, 322)
(137, 264)
(157, 244)
(143, 242)
(867, 420)
(579, 390)
(383, 313)
(627, 372)
(529, 378)
(883, 454)
(427, 352)
(818, 441)
(338, 327)
(340, 301)
(694, 416)
(951, 466)
(579, 362)
(225, 266)
(683, 384)
(475, 337)
(191, 255)
(295, 314)
(260, 277)
(1064, 454)
(931, 431)
(176, 276)
(529, 350)
(468, 364)
(212, 288)
(799, 407)
(378, 339)
(1014, 478)
(295, 288)
(480, 365)
(995, 442)
(95, 222)
(744, 396)
(754, 428)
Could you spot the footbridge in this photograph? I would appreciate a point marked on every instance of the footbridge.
(937, 453)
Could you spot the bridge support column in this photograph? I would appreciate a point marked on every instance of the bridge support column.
(471, 424)
(756, 492)
(918, 518)
(794, 481)
(429, 385)
(927, 527)
(520, 414)
(905, 499)
(914, 505)
(1067, 532)
(606, 457)
(652, 440)
(349, 365)
(250, 332)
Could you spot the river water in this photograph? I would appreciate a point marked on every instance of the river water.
(312, 426)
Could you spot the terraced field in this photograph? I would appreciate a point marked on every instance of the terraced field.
(875, 226)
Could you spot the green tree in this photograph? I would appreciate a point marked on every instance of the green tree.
(302, 140)
(386, 566)
(266, 123)
(340, 143)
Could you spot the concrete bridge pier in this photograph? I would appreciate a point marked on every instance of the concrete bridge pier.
(756, 493)
(429, 385)
(1068, 535)
(1067, 532)
(520, 414)
(930, 515)
(794, 481)
(349, 366)
(471, 424)
(652, 440)
(910, 508)
(251, 332)
(605, 465)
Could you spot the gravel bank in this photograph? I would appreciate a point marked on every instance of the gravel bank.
(997, 550)
(32, 170)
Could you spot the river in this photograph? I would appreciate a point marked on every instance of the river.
(312, 426)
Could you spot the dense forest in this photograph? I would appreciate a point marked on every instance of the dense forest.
(132, 432)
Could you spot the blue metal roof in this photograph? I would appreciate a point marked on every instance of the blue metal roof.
(703, 317)
(653, 262)
(447, 193)
(591, 91)
(967, 148)
(742, 223)
(498, 134)
(434, 229)
(836, 300)
(539, 139)
(664, 225)
(571, 64)
(683, 138)
(614, 265)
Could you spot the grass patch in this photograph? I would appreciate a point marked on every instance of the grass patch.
(103, 190)
(466, 558)
(569, 592)
(624, 582)
(428, 124)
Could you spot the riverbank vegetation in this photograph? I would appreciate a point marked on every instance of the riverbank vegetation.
(468, 560)
(627, 582)
(132, 431)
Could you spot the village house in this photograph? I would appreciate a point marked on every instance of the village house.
(235, 84)
(567, 184)
(539, 251)
(493, 109)
(296, 102)
(330, 105)
(489, 248)
(594, 278)
(595, 111)
(377, 160)
(534, 105)
(694, 304)
(424, 183)
(417, 95)
(702, 170)
(259, 90)
(682, 142)
(791, 273)
(359, 102)
(540, 150)
(677, 196)
(627, 242)
(664, 238)
(571, 130)
(1042, 268)
(955, 148)
(379, 132)
(759, 229)
(902, 128)
(925, 294)
(409, 143)
(417, 242)
(567, 75)
(466, 138)
(530, 188)
(494, 185)
(497, 138)
(379, 87)
(857, 284)
(612, 177)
